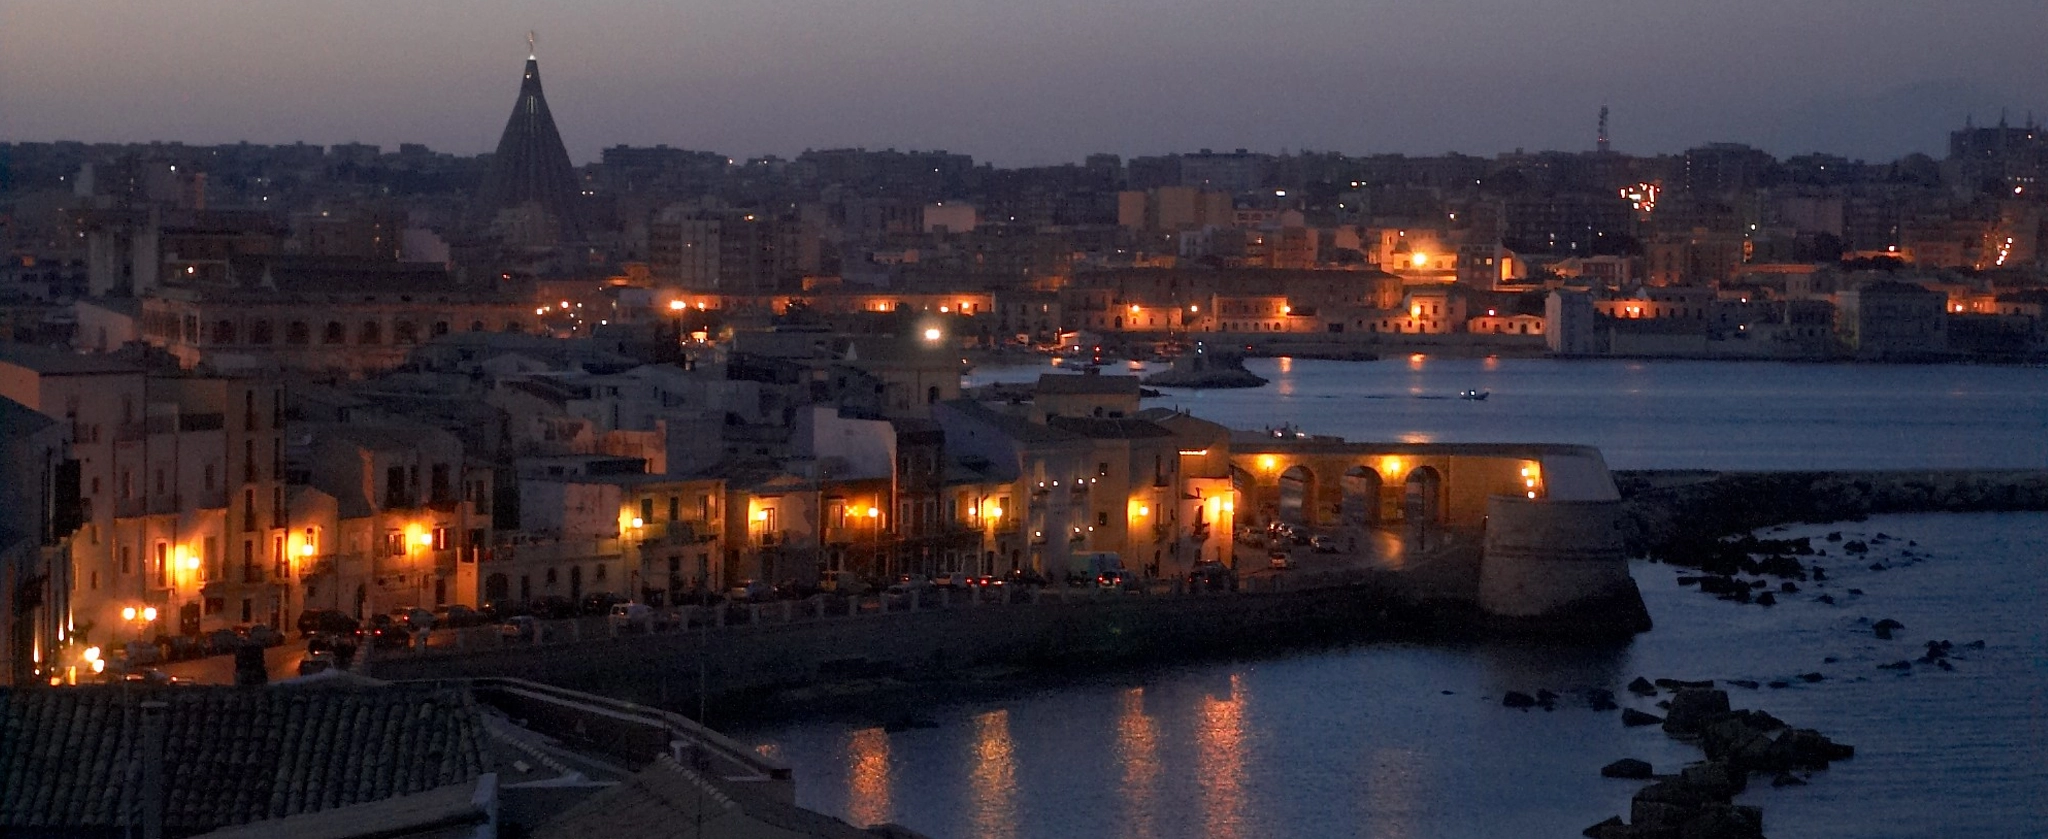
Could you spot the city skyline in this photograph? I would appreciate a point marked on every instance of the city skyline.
(1025, 86)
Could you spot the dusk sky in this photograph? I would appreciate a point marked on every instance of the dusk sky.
(1042, 81)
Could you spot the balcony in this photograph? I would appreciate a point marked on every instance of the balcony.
(166, 503)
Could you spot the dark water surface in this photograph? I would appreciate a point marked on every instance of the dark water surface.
(1653, 414)
(1402, 740)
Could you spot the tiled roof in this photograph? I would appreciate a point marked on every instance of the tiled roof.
(1093, 385)
(660, 800)
(232, 755)
(1109, 429)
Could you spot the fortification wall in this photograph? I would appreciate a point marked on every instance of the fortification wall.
(663, 669)
(1542, 557)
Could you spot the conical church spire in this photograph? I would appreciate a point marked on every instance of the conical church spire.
(531, 164)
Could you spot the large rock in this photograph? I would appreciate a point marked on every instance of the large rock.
(1715, 778)
(1627, 767)
(1632, 718)
(1692, 708)
(1724, 822)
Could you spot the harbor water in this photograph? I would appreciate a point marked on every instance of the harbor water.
(1411, 740)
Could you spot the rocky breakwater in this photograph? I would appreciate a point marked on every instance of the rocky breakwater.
(1698, 801)
(1669, 513)
(1205, 368)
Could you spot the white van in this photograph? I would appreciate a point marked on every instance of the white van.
(631, 616)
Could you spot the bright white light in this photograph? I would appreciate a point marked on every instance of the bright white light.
(932, 334)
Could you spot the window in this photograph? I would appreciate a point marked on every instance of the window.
(312, 540)
(248, 510)
(440, 538)
(297, 333)
(1102, 469)
(210, 558)
(251, 571)
(675, 507)
(600, 572)
(334, 334)
(704, 507)
(160, 565)
(1101, 519)
(647, 509)
(370, 333)
(394, 543)
(280, 563)
(259, 333)
(127, 561)
(248, 609)
(550, 579)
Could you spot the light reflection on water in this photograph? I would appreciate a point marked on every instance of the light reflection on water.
(1137, 749)
(1220, 737)
(995, 777)
(867, 776)
(1410, 740)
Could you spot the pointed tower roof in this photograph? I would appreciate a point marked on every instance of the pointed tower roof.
(531, 164)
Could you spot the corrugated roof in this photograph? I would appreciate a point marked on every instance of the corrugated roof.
(233, 755)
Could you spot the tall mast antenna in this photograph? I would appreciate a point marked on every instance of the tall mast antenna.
(532, 39)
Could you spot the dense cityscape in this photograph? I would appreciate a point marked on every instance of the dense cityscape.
(424, 407)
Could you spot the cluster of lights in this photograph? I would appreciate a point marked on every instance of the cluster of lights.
(2005, 250)
(1530, 479)
(1641, 197)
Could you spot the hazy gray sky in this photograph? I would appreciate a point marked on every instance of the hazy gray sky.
(1029, 81)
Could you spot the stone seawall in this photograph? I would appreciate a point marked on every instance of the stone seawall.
(741, 662)
(1666, 510)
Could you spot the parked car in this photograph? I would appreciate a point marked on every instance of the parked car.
(317, 662)
(264, 634)
(1280, 561)
(953, 579)
(222, 641)
(902, 596)
(1323, 544)
(600, 603)
(342, 646)
(326, 620)
(843, 582)
(1116, 580)
(140, 654)
(457, 616)
(1211, 576)
(554, 607)
(387, 632)
(751, 591)
(519, 628)
(180, 647)
(631, 616)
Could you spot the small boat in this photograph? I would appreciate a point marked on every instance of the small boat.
(1474, 395)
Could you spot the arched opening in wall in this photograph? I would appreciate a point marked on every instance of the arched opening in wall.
(334, 333)
(931, 395)
(405, 333)
(497, 587)
(224, 332)
(576, 583)
(297, 333)
(1361, 505)
(1423, 500)
(260, 332)
(439, 329)
(370, 333)
(1119, 322)
(1297, 495)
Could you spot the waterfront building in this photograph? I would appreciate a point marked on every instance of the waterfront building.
(39, 511)
(1890, 319)
(181, 478)
(410, 520)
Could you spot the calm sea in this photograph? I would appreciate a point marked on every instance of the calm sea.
(1652, 414)
(1404, 740)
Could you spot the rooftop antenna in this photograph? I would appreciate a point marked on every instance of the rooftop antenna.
(1601, 143)
(532, 39)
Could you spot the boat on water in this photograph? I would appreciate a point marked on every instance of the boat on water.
(1474, 395)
